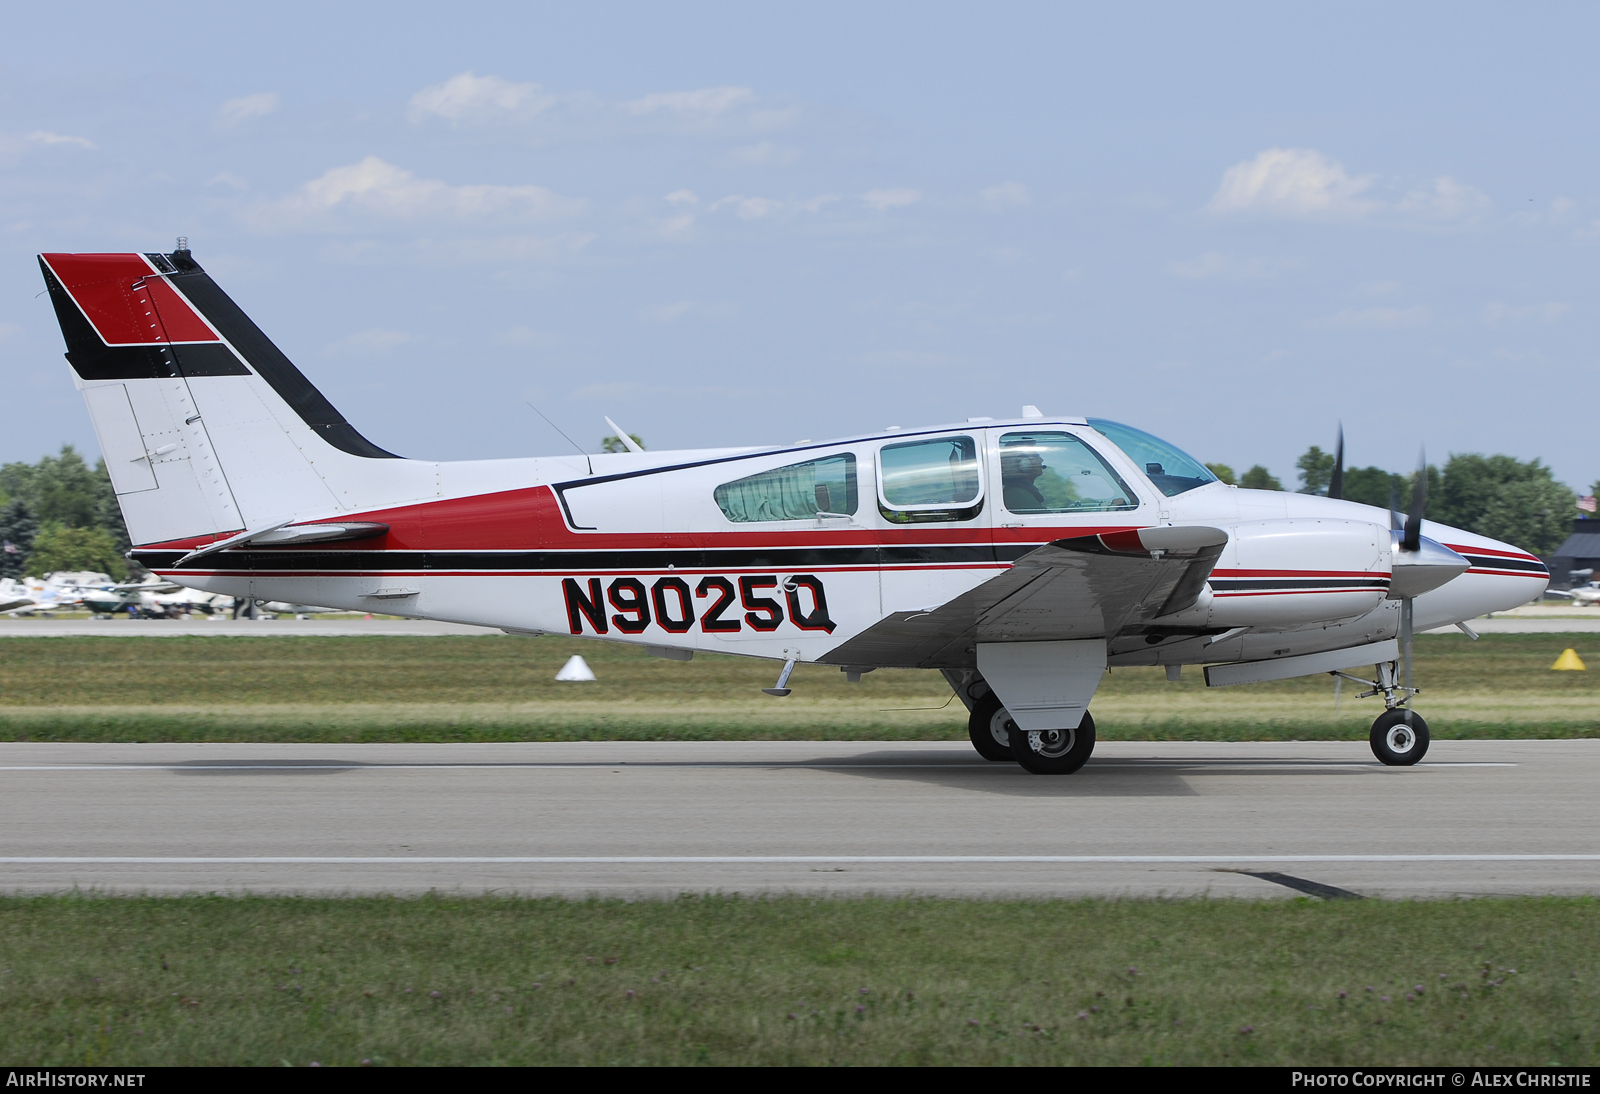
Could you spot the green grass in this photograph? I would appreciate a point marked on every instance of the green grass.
(503, 689)
(714, 980)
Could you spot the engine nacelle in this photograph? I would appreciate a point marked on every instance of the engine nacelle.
(1288, 573)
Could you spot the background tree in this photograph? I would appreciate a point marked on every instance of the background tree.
(1375, 486)
(64, 491)
(1535, 515)
(1259, 478)
(1223, 472)
(1501, 496)
(614, 443)
(17, 529)
(58, 547)
(1316, 470)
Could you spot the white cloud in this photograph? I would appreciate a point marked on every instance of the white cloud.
(9, 331)
(369, 343)
(896, 198)
(1506, 315)
(1378, 318)
(678, 309)
(227, 178)
(469, 97)
(39, 136)
(748, 208)
(1446, 199)
(375, 187)
(1291, 182)
(763, 154)
(682, 197)
(526, 336)
(1214, 264)
(1006, 195)
(704, 103)
(242, 109)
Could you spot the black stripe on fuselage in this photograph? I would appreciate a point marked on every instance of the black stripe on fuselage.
(1495, 562)
(1257, 584)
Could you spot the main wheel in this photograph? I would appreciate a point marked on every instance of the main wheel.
(1397, 741)
(1054, 751)
(990, 728)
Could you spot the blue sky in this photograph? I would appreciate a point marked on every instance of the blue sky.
(1231, 224)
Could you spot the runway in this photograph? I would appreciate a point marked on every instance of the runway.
(1260, 820)
(1574, 621)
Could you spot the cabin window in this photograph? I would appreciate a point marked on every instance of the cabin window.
(799, 491)
(1058, 473)
(935, 479)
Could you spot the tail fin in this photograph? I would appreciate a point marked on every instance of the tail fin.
(206, 427)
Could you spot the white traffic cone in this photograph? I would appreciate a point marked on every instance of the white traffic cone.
(576, 670)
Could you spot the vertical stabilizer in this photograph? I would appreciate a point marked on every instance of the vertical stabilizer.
(206, 427)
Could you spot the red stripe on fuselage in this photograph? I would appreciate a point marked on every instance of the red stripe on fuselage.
(530, 519)
(1460, 550)
(102, 286)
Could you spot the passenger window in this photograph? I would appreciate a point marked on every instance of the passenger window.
(1058, 473)
(797, 492)
(930, 480)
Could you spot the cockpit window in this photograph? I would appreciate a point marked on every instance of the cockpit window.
(797, 492)
(1171, 470)
(1050, 472)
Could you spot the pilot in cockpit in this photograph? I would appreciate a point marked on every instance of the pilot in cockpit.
(1019, 469)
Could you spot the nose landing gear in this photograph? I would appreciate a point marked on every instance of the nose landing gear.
(1399, 736)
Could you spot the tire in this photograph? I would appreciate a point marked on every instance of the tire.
(1054, 751)
(989, 727)
(1399, 743)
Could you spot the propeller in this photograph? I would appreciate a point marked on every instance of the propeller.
(1336, 484)
(1412, 540)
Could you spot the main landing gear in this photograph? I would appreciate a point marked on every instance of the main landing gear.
(1399, 736)
(1041, 751)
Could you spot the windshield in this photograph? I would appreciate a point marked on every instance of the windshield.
(1171, 470)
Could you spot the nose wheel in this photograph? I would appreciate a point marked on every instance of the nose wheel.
(1399, 737)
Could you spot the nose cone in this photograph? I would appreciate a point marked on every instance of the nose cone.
(1431, 565)
(1499, 577)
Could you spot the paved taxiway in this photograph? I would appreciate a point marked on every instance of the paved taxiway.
(654, 819)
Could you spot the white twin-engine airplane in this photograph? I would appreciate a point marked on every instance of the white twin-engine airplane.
(1019, 557)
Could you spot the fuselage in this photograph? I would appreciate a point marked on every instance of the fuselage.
(790, 552)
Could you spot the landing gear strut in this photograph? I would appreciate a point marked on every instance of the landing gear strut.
(1399, 736)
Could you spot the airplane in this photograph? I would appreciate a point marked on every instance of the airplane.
(61, 591)
(1582, 596)
(153, 598)
(1019, 557)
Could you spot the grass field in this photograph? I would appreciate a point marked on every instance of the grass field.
(503, 688)
(712, 980)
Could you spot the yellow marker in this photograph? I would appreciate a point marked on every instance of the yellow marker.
(1569, 661)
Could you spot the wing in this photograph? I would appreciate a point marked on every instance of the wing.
(1087, 587)
(9, 606)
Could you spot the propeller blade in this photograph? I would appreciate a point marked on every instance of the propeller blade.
(1336, 484)
(1395, 523)
(1412, 540)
